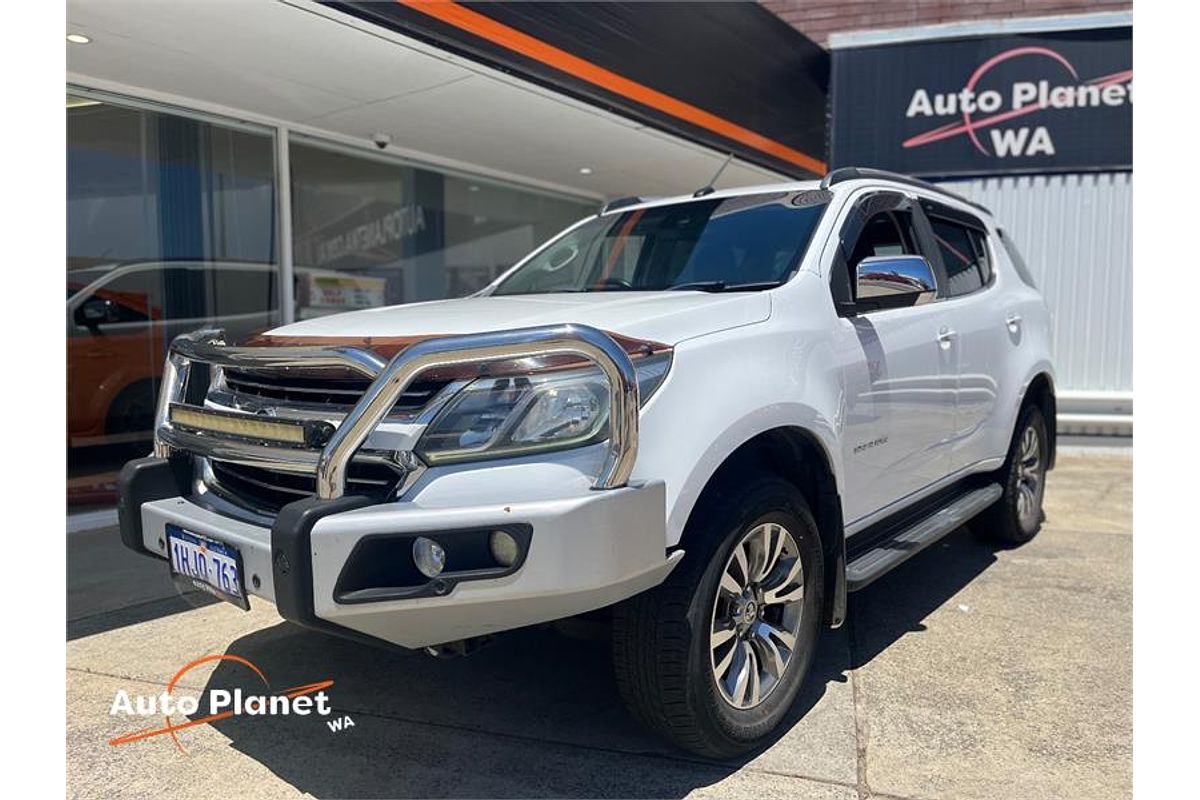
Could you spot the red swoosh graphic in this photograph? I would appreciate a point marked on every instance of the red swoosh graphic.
(970, 126)
(997, 59)
(171, 728)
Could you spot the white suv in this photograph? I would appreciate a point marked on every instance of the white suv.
(707, 417)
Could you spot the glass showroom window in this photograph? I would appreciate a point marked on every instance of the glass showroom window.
(170, 227)
(370, 231)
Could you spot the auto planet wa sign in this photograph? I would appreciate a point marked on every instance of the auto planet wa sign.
(1052, 102)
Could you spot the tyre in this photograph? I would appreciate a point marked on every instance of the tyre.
(714, 657)
(132, 411)
(1017, 516)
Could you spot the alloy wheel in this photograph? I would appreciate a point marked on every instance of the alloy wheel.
(756, 615)
(1030, 478)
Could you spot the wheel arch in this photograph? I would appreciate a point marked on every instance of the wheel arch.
(799, 456)
(131, 389)
(1039, 391)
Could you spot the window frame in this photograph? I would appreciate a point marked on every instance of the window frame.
(851, 226)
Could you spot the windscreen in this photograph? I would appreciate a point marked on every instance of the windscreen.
(722, 244)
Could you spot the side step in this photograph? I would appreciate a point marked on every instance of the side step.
(911, 539)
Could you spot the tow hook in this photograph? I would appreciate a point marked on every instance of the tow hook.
(462, 647)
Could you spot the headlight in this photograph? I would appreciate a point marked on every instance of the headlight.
(495, 417)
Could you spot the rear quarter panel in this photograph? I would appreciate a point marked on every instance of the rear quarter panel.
(1034, 354)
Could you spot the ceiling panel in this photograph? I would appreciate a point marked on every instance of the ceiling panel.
(263, 38)
(307, 65)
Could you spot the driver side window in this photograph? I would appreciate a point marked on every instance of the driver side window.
(887, 233)
(881, 225)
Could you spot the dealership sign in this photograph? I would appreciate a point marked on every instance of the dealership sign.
(1048, 102)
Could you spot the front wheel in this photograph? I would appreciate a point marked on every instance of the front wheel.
(714, 657)
(1017, 516)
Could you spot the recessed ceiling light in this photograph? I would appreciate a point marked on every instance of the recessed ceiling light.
(78, 38)
(585, 170)
(472, 188)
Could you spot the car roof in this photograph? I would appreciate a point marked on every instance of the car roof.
(630, 203)
(839, 181)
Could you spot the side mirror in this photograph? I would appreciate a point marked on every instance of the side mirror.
(894, 281)
(94, 311)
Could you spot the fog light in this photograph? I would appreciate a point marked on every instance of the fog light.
(504, 548)
(429, 557)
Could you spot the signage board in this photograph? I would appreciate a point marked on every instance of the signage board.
(1057, 101)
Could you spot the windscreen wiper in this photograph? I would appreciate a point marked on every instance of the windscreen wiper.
(722, 286)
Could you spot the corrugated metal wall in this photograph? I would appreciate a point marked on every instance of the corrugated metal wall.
(1075, 232)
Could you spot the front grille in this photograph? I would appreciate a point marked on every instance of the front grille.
(341, 393)
(268, 491)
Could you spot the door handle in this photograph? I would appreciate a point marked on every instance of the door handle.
(1013, 321)
(946, 337)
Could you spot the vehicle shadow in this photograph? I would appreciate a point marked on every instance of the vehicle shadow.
(535, 714)
(108, 587)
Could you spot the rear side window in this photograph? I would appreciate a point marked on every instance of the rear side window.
(979, 239)
(964, 256)
(1014, 255)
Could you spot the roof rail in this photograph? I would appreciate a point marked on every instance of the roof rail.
(852, 173)
(621, 202)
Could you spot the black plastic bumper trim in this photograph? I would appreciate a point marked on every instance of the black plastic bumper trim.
(291, 563)
(144, 480)
(434, 587)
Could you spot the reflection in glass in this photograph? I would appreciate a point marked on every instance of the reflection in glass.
(368, 232)
(750, 242)
(170, 227)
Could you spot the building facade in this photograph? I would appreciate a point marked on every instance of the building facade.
(1026, 107)
(245, 165)
(821, 19)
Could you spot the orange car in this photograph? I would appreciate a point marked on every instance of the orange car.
(120, 318)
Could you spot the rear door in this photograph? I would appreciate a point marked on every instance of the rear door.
(900, 372)
(984, 327)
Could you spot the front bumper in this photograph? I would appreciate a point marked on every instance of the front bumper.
(586, 550)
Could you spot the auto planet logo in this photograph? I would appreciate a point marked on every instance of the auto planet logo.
(218, 704)
(982, 108)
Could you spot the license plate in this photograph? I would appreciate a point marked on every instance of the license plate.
(200, 562)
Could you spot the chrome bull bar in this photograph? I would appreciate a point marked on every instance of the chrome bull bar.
(390, 379)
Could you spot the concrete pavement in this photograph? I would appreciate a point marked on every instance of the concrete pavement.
(970, 672)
